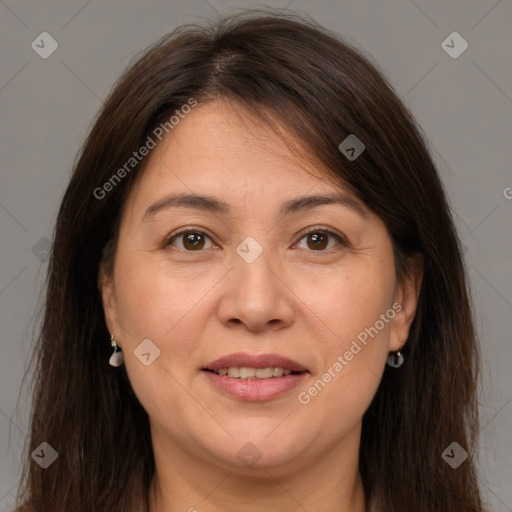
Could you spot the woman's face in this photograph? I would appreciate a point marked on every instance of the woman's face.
(264, 278)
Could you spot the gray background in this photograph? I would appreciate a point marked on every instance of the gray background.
(464, 105)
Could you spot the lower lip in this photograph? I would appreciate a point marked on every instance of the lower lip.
(256, 389)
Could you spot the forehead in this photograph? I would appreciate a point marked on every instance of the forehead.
(223, 151)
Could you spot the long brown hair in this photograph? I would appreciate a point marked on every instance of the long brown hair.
(322, 90)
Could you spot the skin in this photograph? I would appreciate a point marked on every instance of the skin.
(296, 300)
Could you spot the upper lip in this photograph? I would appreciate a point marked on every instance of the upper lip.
(241, 359)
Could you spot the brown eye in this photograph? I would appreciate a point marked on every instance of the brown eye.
(190, 240)
(319, 240)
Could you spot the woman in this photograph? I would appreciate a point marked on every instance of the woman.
(257, 241)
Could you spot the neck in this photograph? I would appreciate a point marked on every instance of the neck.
(328, 481)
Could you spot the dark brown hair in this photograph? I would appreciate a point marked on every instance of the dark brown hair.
(321, 90)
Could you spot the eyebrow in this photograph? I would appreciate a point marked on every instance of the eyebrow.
(215, 205)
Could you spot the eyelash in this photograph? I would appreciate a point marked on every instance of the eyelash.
(342, 240)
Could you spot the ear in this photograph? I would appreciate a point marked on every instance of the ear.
(407, 292)
(108, 299)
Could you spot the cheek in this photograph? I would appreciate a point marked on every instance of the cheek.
(164, 307)
(341, 390)
(350, 299)
(357, 309)
(154, 300)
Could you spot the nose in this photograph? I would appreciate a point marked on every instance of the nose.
(256, 295)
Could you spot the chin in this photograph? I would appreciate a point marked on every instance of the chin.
(252, 454)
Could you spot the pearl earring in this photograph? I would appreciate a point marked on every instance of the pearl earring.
(395, 360)
(116, 359)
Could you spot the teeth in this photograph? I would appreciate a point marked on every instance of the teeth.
(264, 373)
(233, 372)
(253, 373)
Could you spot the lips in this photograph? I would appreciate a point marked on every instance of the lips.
(286, 375)
(241, 359)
